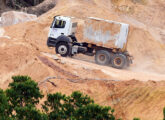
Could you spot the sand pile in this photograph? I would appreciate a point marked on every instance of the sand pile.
(23, 50)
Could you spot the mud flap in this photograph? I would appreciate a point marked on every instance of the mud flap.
(70, 50)
(129, 60)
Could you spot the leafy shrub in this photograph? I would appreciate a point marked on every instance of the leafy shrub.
(136, 119)
(5, 111)
(23, 96)
(75, 107)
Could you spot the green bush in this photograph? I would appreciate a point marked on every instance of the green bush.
(23, 91)
(136, 119)
(23, 96)
(5, 111)
(75, 107)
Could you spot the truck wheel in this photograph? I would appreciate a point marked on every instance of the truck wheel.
(62, 48)
(102, 57)
(118, 61)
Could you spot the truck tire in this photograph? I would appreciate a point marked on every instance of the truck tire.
(62, 48)
(102, 57)
(119, 61)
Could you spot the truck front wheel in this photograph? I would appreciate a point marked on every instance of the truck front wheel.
(118, 61)
(102, 57)
(62, 48)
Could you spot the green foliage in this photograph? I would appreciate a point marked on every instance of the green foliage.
(29, 112)
(136, 119)
(4, 106)
(19, 102)
(23, 91)
(75, 107)
(164, 113)
(24, 94)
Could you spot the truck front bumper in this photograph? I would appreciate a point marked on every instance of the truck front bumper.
(51, 42)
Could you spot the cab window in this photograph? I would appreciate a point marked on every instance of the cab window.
(59, 24)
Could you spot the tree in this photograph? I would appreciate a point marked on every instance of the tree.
(5, 110)
(29, 112)
(75, 107)
(24, 95)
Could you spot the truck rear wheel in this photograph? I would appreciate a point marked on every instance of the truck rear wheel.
(118, 61)
(102, 57)
(62, 48)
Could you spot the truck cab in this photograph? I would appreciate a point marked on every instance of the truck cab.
(61, 26)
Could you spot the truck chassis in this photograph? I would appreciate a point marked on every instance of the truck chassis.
(69, 46)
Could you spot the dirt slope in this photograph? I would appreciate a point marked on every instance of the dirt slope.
(23, 50)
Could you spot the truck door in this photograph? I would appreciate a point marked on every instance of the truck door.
(58, 28)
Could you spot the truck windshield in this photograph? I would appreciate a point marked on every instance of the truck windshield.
(58, 24)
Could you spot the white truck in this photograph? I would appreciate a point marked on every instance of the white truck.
(104, 39)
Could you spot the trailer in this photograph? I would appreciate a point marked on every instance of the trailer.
(104, 39)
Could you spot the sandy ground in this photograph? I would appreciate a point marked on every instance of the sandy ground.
(137, 91)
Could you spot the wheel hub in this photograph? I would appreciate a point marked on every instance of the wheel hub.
(102, 57)
(118, 61)
(62, 49)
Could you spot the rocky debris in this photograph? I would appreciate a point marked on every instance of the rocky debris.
(2, 31)
(13, 17)
(41, 8)
(55, 57)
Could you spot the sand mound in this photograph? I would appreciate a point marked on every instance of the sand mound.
(22, 47)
